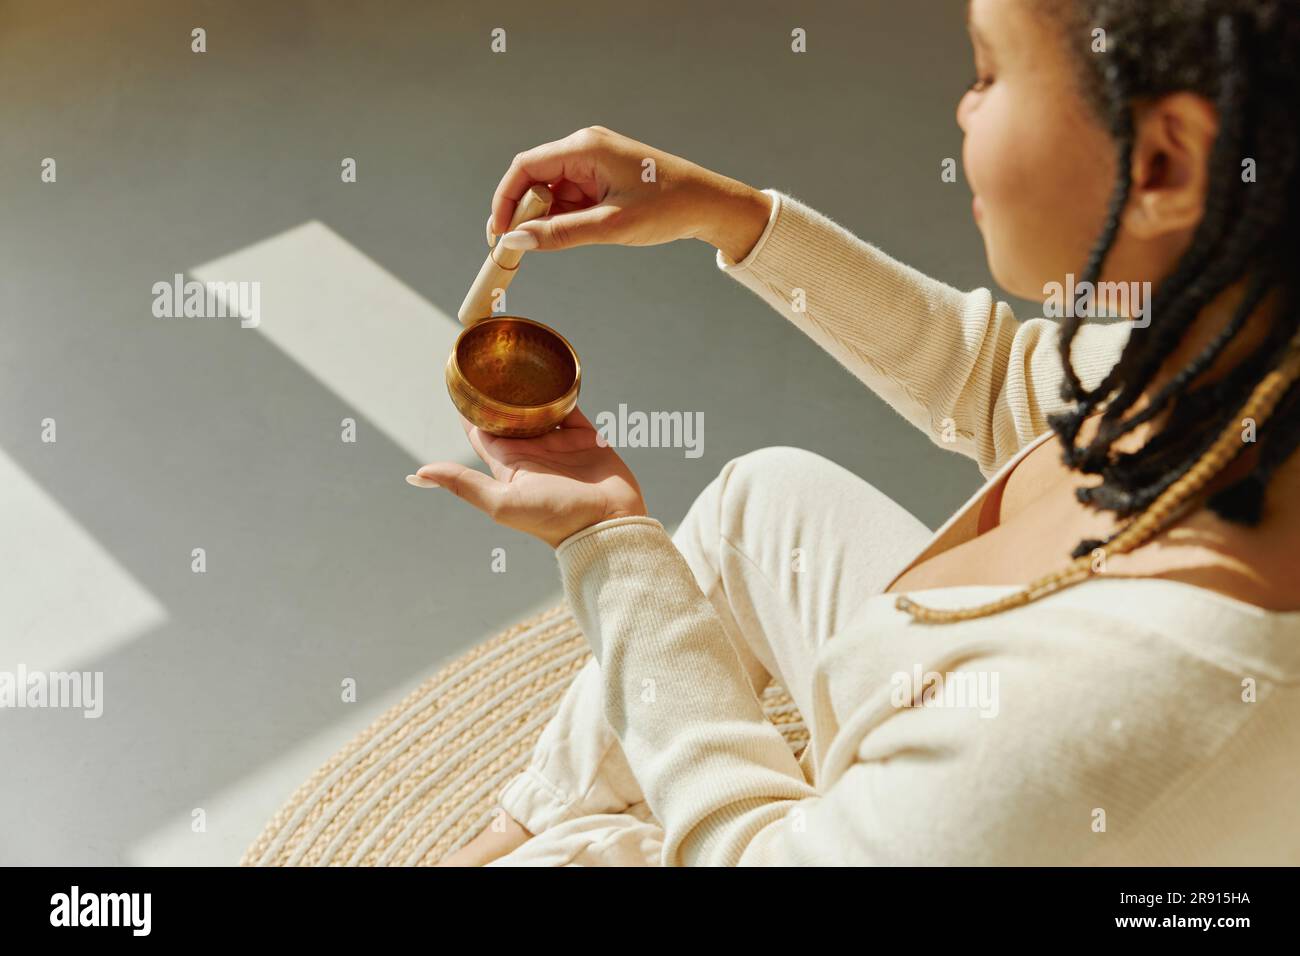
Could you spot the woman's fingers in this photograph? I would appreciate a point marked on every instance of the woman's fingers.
(483, 492)
(569, 159)
(502, 447)
(582, 227)
(479, 440)
(576, 419)
(567, 196)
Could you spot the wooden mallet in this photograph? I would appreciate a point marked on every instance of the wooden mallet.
(500, 266)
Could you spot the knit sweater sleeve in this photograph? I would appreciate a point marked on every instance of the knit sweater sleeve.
(958, 365)
(713, 769)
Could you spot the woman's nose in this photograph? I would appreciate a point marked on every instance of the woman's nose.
(963, 109)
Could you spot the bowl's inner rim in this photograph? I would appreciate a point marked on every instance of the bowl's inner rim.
(545, 330)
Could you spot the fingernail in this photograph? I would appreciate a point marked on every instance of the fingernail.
(421, 482)
(519, 239)
(491, 236)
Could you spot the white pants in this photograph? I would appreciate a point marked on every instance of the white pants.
(785, 544)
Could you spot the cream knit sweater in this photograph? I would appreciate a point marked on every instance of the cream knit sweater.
(1137, 721)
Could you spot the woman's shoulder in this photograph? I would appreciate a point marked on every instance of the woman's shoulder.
(1258, 566)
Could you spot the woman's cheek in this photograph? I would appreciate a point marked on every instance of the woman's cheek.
(1007, 214)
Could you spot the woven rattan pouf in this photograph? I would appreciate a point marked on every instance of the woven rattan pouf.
(422, 779)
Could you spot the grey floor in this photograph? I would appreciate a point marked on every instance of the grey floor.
(222, 689)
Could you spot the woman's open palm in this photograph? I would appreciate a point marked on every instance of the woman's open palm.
(551, 486)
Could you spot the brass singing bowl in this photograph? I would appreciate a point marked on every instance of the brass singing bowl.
(513, 377)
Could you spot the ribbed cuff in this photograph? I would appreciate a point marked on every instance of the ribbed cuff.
(532, 801)
(577, 536)
(726, 265)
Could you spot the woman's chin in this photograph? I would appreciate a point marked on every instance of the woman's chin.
(1009, 281)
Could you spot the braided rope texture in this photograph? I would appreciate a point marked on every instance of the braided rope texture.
(421, 781)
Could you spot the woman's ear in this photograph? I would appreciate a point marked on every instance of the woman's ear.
(1172, 140)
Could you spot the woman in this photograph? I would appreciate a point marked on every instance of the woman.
(1095, 660)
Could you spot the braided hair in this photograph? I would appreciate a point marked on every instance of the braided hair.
(1244, 56)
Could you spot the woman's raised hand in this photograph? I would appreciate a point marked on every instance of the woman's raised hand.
(608, 188)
